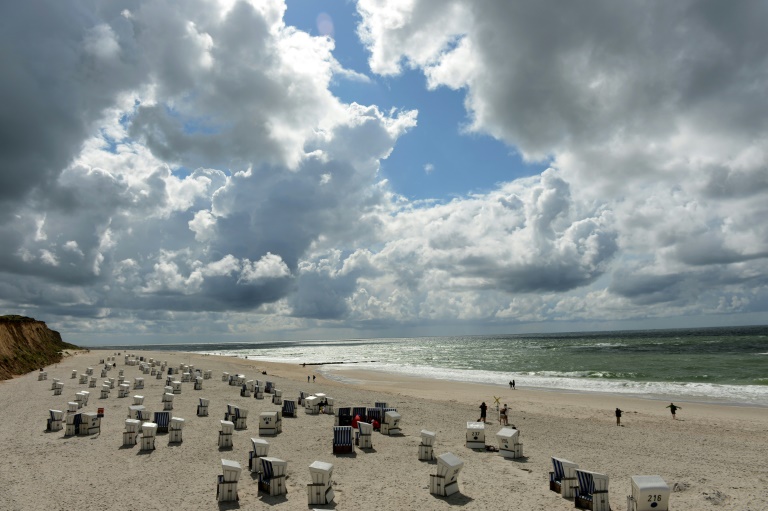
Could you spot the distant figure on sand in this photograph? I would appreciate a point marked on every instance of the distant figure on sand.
(618, 417)
(673, 409)
(307, 378)
(313, 378)
(483, 408)
(503, 416)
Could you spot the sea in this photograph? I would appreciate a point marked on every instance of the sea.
(727, 365)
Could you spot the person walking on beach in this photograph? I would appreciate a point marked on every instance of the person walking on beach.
(673, 408)
(513, 384)
(313, 378)
(618, 417)
(483, 409)
(503, 416)
(307, 378)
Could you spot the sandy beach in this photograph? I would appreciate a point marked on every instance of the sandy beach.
(712, 456)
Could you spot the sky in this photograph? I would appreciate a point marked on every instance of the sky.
(223, 170)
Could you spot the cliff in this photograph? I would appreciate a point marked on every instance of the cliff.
(27, 345)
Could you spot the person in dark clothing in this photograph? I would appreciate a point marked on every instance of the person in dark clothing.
(618, 417)
(673, 408)
(483, 409)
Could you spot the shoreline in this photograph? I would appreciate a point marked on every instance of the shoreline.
(713, 455)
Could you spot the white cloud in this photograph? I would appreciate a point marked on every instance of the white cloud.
(190, 160)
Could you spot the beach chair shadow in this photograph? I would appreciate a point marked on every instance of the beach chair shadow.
(457, 499)
(229, 505)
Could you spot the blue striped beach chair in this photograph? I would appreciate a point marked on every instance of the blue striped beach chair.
(359, 410)
(562, 479)
(162, 419)
(344, 416)
(272, 476)
(592, 492)
(289, 408)
(375, 414)
(342, 440)
(379, 404)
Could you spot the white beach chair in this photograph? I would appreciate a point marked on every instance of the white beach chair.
(198, 383)
(391, 424)
(226, 487)
(363, 435)
(426, 452)
(176, 387)
(202, 408)
(225, 434)
(268, 424)
(649, 493)
(277, 397)
(260, 449)
(320, 490)
(167, 401)
(510, 446)
(175, 428)
(148, 434)
(475, 435)
(445, 482)
(55, 418)
(123, 390)
(131, 432)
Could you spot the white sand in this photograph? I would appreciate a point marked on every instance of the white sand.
(715, 456)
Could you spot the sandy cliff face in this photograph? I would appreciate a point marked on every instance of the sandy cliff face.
(27, 345)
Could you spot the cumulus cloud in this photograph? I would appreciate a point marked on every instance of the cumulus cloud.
(188, 163)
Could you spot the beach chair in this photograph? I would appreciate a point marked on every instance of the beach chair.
(649, 493)
(55, 418)
(176, 426)
(258, 391)
(176, 387)
(312, 405)
(445, 482)
(92, 382)
(138, 383)
(42, 375)
(241, 418)
(162, 419)
(343, 417)
(425, 447)
(592, 491)
(225, 434)
(245, 391)
(91, 423)
(320, 491)
(73, 421)
(277, 397)
(289, 408)
(475, 435)
(148, 433)
(268, 387)
(202, 408)
(83, 378)
(376, 417)
(328, 406)
(226, 483)
(131, 432)
(260, 449)
(562, 479)
(272, 476)
(198, 383)
(167, 400)
(391, 424)
(123, 390)
(302, 395)
(359, 413)
(224, 376)
(379, 404)
(510, 446)
(342, 440)
(363, 435)
(268, 424)
(138, 400)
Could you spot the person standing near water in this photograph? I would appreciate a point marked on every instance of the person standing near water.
(618, 417)
(673, 409)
